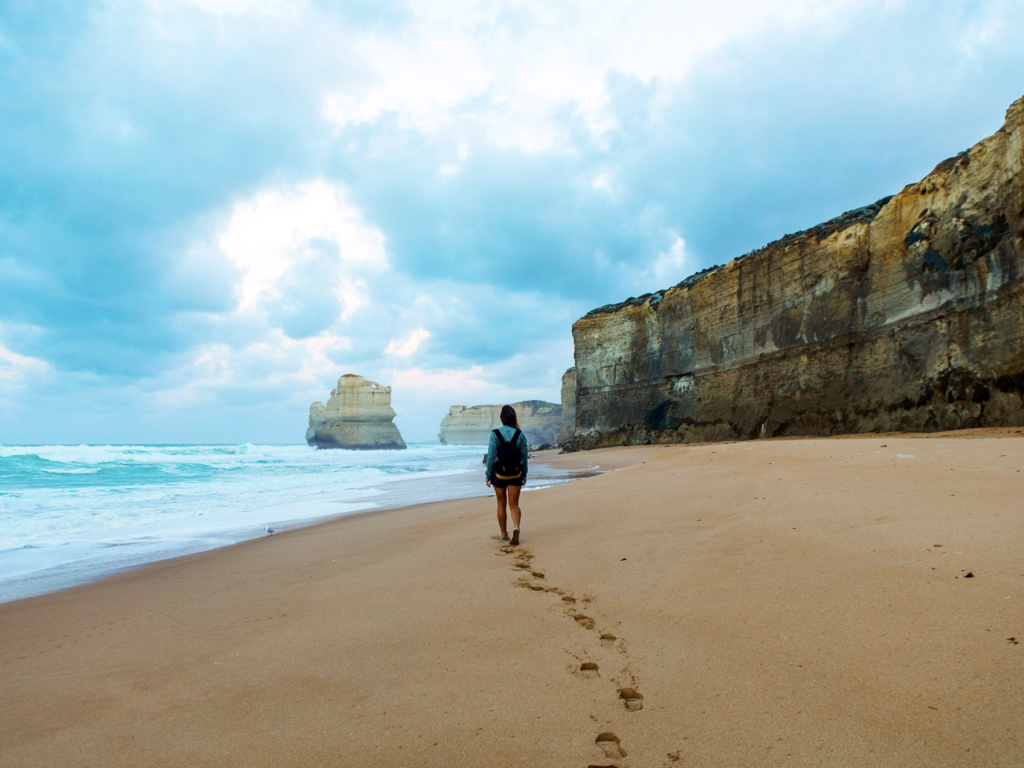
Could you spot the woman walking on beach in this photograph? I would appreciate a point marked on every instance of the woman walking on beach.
(506, 470)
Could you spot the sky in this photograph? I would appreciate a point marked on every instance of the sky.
(212, 209)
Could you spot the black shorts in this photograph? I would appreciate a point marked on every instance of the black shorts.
(506, 483)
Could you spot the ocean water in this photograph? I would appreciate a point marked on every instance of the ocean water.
(71, 514)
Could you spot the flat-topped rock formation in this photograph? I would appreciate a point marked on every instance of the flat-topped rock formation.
(568, 429)
(540, 421)
(358, 415)
(906, 315)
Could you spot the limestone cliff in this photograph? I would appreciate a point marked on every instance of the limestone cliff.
(904, 315)
(540, 422)
(568, 428)
(358, 415)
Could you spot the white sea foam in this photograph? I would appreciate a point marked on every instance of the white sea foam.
(72, 513)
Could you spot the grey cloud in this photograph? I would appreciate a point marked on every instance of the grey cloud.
(308, 301)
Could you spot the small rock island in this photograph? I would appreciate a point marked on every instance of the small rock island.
(540, 421)
(358, 416)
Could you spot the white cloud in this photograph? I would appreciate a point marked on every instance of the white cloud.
(272, 360)
(514, 71)
(453, 381)
(15, 369)
(602, 181)
(672, 265)
(273, 231)
(276, 8)
(408, 343)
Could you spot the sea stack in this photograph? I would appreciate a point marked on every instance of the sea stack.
(357, 416)
(904, 315)
(540, 422)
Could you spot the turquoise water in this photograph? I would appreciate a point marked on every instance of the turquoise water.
(70, 514)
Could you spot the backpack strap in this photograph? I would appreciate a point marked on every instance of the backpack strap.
(515, 437)
(501, 439)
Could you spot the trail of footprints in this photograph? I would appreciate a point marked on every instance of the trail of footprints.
(632, 700)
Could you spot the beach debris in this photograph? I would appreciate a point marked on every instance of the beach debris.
(610, 744)
(1013, 640)
(674, 756)
(970, 575)
(632, 698)
(270, 531)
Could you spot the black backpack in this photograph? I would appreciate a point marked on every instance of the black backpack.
(508, 462)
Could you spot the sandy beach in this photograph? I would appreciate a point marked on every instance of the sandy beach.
(841, 602)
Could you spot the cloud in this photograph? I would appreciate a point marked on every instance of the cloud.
(15, 368)
(211, 209)
(408, 343)
(441, 381)
(512, 70)
(303, 254)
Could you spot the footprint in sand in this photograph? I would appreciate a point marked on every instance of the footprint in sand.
(525, 583)
(608, 640)
(588, 669)
(632, 698)
(611, 745)
(584, 621)
(567, 599)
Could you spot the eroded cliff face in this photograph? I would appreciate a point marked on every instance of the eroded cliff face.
(539, 421)
(906, 315)
(358, 415)
(568, 429)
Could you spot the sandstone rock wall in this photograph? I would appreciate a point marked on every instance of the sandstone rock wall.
(905, 315)
(540, 421)
(358, 415)
(568, 429)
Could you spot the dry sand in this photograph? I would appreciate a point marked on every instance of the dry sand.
(784, 602)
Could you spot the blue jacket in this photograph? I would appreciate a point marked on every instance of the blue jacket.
(492, 450)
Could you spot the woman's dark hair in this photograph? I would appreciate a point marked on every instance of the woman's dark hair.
(508, 416)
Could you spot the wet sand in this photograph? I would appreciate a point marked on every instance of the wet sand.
(782, 602)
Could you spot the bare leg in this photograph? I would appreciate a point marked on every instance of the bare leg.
(513, 503)
(500, 494)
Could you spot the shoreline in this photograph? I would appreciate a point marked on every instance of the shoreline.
(87, 568)
(792, 601)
